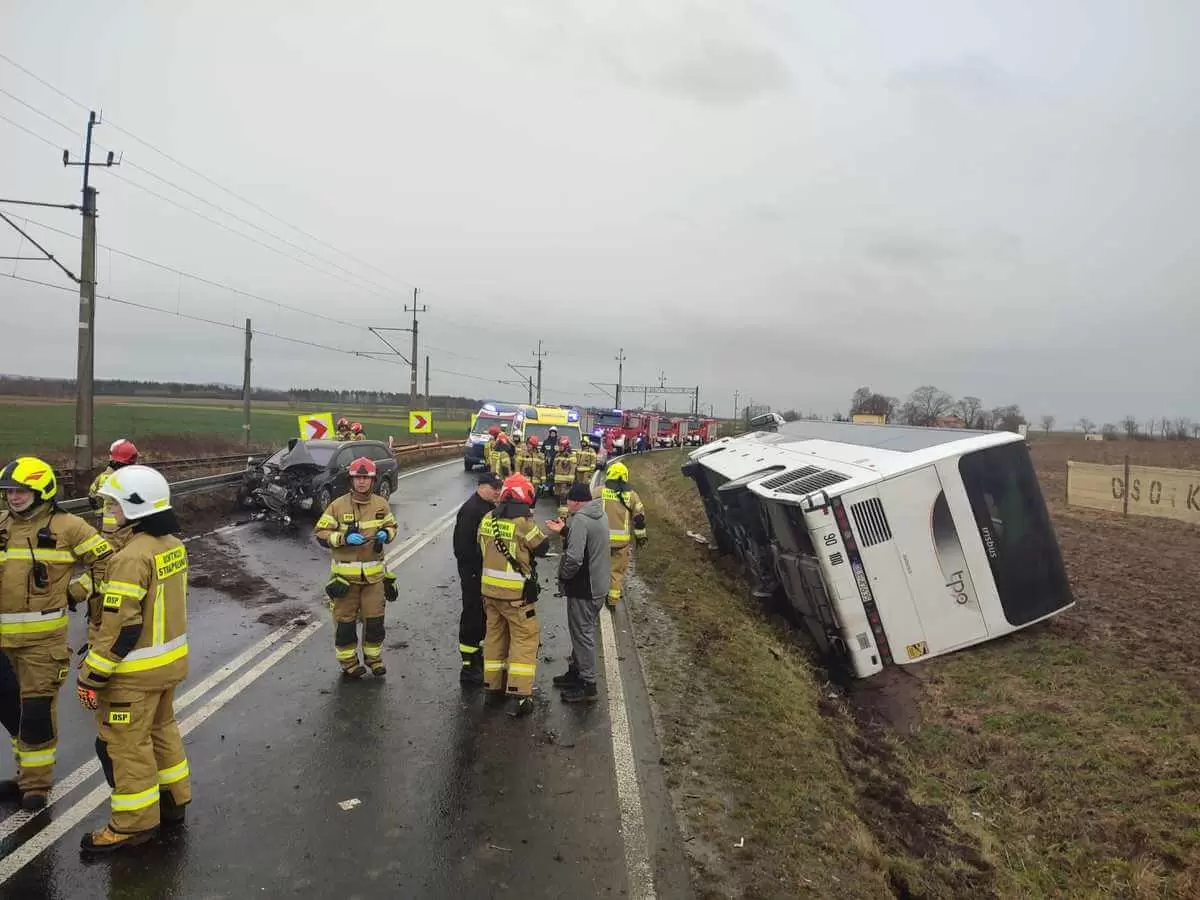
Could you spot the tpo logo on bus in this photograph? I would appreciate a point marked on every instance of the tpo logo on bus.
(958, 587)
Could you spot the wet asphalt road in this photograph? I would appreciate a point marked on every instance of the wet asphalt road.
(452, 797)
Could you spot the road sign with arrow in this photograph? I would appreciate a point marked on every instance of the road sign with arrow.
(420, 421)
(316, 426)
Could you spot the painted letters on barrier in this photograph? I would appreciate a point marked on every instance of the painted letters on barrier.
(1163, 493)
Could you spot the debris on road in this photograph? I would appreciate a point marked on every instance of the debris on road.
(348, 805)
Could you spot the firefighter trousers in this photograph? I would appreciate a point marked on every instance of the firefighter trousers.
(472, 624)
(142, 755)
(510, 646)
(31, 711)
(363, 601)
(620, 565)
(561, 489)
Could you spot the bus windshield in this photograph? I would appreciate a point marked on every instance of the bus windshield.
(1016, 532)
(533, 429)
(483, 423)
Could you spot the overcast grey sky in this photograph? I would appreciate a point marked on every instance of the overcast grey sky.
(788, 199)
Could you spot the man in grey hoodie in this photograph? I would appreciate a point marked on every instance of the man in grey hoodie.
(583, 574)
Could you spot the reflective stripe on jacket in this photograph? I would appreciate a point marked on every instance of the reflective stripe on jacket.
(363, 563)
(622, 508)
(141, 641)
(41, 554)
(520, 537)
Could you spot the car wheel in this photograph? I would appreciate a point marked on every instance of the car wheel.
(385, 488)
(468, 465)
(324, 498)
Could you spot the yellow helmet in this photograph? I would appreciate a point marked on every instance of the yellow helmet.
(31, 473)
(616, 472)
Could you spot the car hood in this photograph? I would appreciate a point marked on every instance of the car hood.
(299, 459)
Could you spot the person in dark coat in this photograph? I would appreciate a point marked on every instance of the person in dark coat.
(472, 623)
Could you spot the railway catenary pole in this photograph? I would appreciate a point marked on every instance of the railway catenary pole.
(86, 348)
(539, 356)
(412, 387)
(246, 385)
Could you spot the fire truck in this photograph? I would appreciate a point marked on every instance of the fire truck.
(620, 428)
(670, 432)
(695, 432)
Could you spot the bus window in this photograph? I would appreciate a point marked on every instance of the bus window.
(1016, 532)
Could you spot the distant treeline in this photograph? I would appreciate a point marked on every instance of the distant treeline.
(64, 388)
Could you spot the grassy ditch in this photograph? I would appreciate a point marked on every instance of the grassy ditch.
(1051, 763)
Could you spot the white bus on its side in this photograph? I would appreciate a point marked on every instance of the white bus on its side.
(893, 544)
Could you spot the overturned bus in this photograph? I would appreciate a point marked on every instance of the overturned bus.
(892, 544)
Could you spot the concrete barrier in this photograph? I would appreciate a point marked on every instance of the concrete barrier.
(1135, 490)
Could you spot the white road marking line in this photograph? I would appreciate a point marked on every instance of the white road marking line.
(401, 554)
(424, 469)
(29, 850)
(63, 787)
(629, 795)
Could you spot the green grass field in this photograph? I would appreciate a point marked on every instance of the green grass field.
(30, 426)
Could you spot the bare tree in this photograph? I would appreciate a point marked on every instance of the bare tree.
(1047, 424)
(969, 408)
(1164, 427)
(1109, 430)
(1129, 424)
(1086, 425)
(1007, 417)
(790, 415)
(867, 401)
(1183, 427)
(926, 404)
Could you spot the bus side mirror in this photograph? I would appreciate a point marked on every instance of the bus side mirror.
(810, 503)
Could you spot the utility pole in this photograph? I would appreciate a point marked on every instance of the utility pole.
(735, 406)
(246, 386)
(696, 403)
(86, 354)
(620, 358)
(428, 402)
(539, 356)
(412, 388)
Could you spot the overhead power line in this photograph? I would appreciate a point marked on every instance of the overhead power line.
(194, 318)
(208, 281)
(30, 132)
(49, 256)
(178, 162)
(247, 237)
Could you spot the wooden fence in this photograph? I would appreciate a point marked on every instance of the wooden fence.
(1135, 490)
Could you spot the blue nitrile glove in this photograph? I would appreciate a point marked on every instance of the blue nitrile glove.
(355, 540)
(381, 535)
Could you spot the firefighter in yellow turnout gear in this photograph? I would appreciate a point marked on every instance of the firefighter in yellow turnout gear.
(626, 522)
(503, 456)
(138, 657)
(531, 463)
(585, 462)
(564, 475)
(122, 453)
(510, 542)
(356, 526)
(40, 547)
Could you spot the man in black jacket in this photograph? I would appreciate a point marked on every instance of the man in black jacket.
(472, 624)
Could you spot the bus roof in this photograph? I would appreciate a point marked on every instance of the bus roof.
(802, 457)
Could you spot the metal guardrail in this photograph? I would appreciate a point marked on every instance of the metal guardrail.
(208, 482)
(178, 489)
